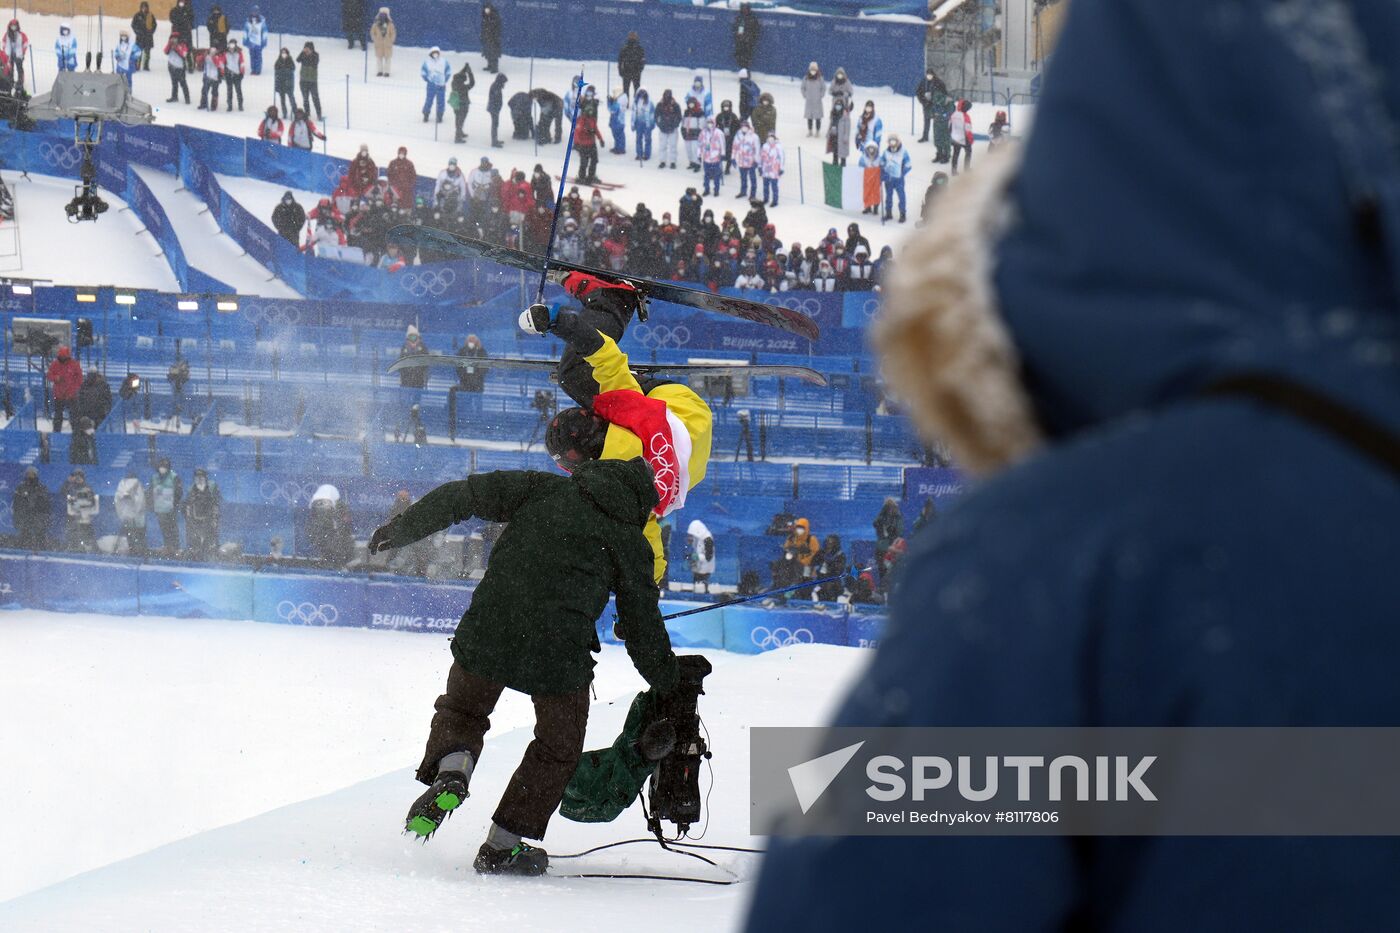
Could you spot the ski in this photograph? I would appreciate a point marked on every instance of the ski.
(600, 185)
(646, 369)
(794, 322)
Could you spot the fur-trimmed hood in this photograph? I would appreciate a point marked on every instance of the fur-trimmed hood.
(1118, 266)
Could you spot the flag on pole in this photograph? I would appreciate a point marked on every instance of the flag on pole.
(843, 186)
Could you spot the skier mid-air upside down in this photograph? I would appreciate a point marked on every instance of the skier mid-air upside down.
(620, 415)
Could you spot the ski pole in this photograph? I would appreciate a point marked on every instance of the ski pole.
(563, 177)
(747, 599)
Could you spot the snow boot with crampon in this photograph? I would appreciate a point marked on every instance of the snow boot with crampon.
(437, 803)
(519, 859)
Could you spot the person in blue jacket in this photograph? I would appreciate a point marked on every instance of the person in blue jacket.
(698, 93)
(643, 122)
(255, 39)
(617, 122)
(894, 166)
(66, 48)
(748, 94)
(436, 72)
(1179, 409)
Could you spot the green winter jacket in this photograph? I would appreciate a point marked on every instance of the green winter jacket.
(568, 543)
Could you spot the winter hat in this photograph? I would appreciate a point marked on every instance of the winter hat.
(485, 162)
(403, 151)
(200, 471)
(412, 331)
(434, 51)
(893, 141)
(326, 493)
(743, 72)
(63, 353)
(574, 436)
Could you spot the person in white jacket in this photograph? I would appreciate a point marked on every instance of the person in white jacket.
(235, 67)
(255, 39)
(702, 554)
(451, 184)
(130, 501)
(436, 72)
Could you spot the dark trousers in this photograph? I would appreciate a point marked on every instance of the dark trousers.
(169, 531)
(288, 102)
(587, 163)
(309, 93)
(235, 86)
(59, 405)
(957, 151)
(460, 116)
(631, 84)
(928, 123)
(609, 313)
(209, 95)
(533, 794)
(178, 83)
(495, 125)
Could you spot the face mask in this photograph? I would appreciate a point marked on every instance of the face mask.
(200, 484)
(163, 471)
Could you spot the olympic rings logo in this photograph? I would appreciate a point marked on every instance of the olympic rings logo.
(286, 493)
(423, 284)
(59, 154)
(766, 640)
(808, 307)
(661, 337)
(272, 314)
(307, 613)
(870, 308)
(334, 173)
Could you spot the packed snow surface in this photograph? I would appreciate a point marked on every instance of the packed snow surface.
(203, 775)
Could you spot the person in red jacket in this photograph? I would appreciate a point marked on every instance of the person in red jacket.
(586, 139)
(403, 177)
(362, 173)
(270, 127)
(517, 198)
(67, 377)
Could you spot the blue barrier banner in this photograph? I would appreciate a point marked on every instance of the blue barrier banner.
(404, 605)
(858, 309)
(195, 592)
(754, 630)
(49, 155)
(248, 231)
(154, 146)
(937, 483)
(14, 580)
(863, 629)
(10, 476)
(295, 168)
(219, 152)
(71, 584)
(873, 52)
(149, 211)
(199, 178)
(204, 283)
(292, 598)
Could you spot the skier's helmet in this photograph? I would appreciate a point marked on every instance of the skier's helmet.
(575, 435)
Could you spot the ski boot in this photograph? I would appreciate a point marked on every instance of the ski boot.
(519, 859)
(437, 803)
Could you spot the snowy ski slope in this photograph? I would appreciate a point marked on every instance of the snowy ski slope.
(189, 774)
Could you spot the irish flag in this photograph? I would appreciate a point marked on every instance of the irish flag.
(845, 186)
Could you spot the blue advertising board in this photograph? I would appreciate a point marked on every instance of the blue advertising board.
(754, 629)
(72, 584)
(315, 599)
(194, 591)
(404, 605)
(14, 580)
